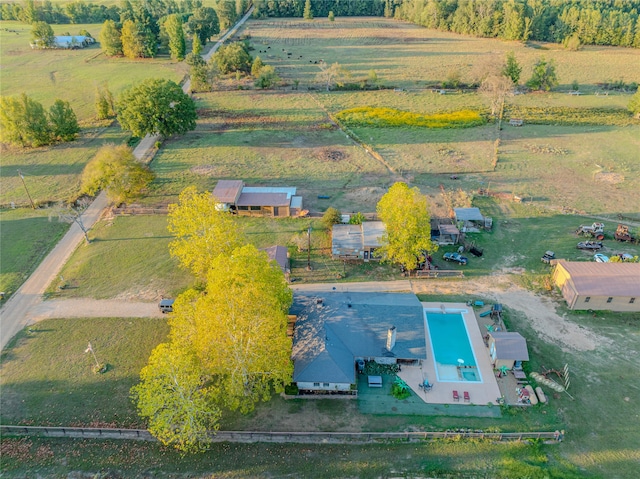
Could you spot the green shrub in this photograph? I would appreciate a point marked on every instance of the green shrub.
(400, 389)
(389, 117)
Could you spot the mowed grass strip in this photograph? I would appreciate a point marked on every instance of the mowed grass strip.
(233, 460)
(47, 377)
(26, 237)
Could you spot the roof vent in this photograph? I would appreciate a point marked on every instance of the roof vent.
(391, 338)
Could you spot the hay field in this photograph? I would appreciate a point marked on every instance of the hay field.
(407, 55)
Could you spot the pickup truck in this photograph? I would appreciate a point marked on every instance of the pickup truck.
(456, 257)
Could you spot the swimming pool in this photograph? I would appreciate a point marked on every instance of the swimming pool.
(452, 352)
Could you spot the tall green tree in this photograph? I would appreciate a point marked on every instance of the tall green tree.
(42, 35)
(512, 68)
(104, 103)
(232, 58)
(405, 214)
(23, 122)
(175, 31)
(256, 66)
(196, 45)
(308, 13)
(133, 40)
(226, 10)
(238, 328)
(544, 76)
(267, 77)
(172, 395)
(115, 170)
(156, 107)
(110, 39)
(204, 24)
(202, 232)
(63, 121)
(199, 72)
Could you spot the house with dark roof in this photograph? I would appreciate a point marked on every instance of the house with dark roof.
(356, 242)
(505, 348)
(599, 286)
(335, 329)
(234, 196)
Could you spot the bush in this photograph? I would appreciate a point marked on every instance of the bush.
(400, 390)
(389, 117)
(291, 389)
(570, 116)
(331, 217)
(356, 219)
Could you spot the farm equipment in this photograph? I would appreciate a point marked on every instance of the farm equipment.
(590, 245)
(548, 256)
(622, 233)
(596, 230)
(456, 257)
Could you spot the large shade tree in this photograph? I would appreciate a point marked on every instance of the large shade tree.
(202, 232)
(238, 328)
(172, 396)
(405, 214)
(23, 122)
(156, 106)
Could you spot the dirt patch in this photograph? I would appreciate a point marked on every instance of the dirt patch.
(610, 178)
(328, 154)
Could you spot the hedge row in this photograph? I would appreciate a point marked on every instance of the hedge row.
(571, 116)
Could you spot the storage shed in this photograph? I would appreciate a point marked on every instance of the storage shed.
(599, 286)
(356, 242)
(505, 348)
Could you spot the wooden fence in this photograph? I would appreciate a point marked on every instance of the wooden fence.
(277, 437)
(438, 273)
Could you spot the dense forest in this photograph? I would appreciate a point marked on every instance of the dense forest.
(572, 22)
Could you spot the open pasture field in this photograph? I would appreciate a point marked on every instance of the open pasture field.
(269, 139)
(52, 173)
(409, 56)
(26, 237)
(71, 75)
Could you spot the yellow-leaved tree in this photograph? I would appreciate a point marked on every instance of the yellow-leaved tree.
(202, 231)
(405, 214)
(172, 396)
(238, 328)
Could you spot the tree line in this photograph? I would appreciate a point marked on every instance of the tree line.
(80, 11)
(589, 22)
(319, 8)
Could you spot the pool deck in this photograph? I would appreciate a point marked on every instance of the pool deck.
(481, 393)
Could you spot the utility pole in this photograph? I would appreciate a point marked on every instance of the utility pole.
(25, 188)
(309, 249)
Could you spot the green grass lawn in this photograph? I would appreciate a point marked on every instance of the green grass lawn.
(26, 237)
(47, 377)
(71, 75)
(52, 173)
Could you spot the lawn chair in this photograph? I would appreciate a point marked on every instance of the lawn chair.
(467, 398)
(456, 396)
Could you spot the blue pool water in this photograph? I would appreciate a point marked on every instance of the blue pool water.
(449, 343)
